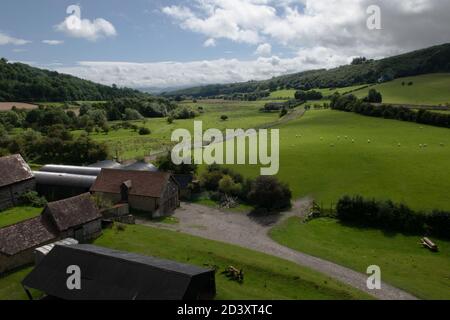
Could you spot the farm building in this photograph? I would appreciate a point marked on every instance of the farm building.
(77, 170)
(75, 217)
(114, 275)
(106, 164)
(16, 179)
(140, 166)
(152, 192)
(17, 242)
(184, 182)
(57, 186)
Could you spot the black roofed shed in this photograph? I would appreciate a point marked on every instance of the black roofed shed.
(108, 274)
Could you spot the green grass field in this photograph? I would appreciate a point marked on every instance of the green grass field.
(430, 89)
(130, 144)
(283, 94)
(266, 277)
(18, 214)
(324, 164)
(403, 261)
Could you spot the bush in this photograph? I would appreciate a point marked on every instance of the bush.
(144, 131)
(224, 118)
(391, 216)
(33, 199)
(270, 194)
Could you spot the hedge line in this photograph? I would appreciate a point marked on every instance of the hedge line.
(388, 215)
(350, 103)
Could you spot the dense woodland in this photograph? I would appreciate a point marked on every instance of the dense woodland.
(361, 71)
(22, 83)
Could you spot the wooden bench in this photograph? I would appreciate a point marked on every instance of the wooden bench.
(427, 243)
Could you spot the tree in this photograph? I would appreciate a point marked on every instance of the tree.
(132, 114)
(165, 163)
(228, 186)
(144, 131)
(224, 117)
(374, 97)
(270, 194)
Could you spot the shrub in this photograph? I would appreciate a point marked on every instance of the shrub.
(144, 131)
(392, 216)
(224, 118)
(33, 199)
(270, 194)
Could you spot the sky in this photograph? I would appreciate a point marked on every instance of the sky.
(179, 43)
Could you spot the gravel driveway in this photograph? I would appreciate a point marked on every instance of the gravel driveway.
(251, 232)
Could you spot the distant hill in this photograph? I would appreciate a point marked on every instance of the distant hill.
(21, 82)
(431, 60)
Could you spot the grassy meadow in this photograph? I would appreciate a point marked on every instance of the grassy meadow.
(130, 144)
(326, 154)
(18, 214)
(403, 261)
(266, 277)
(429, 89)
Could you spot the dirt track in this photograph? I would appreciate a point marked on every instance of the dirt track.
(251, 232)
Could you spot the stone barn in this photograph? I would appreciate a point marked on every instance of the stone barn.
(76, 218)
(115, 275)
(156, 193)
(17, 242)
(16, 178)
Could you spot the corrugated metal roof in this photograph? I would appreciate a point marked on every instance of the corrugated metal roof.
(64, 179)
(65, 242)
(14, 169)
(115, 275)
(84, 171)
(106, 164)
(141, 166)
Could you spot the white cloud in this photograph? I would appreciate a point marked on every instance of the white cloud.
(75, 26)
(6, 39)
(52, 42)
(175, 74)
(407, 24)
(264, 49)
(210, 43)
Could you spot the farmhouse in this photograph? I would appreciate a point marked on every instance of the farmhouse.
(74, 217)
(16, 179)
(152, 192)
(114, 275)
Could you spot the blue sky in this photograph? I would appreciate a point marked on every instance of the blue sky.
(154, 43)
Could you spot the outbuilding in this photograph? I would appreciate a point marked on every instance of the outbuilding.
(16, 178)
(108, 274)
(76, 217)
(156, 193)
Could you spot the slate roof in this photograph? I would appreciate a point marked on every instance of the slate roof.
(115, 275)
(72, 212)
(13, 169)
(26, 235)
(144, 183)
